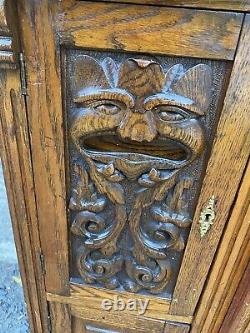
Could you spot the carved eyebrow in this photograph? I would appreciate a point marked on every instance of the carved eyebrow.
(173, 100)
(119, 95)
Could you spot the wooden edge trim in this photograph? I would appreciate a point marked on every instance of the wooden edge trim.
(60, 318)
(176, 328)
(150, 29)
(90, 297)
(119, 321)
(15, 153)
(233, 5)
(225, 169)
(44, 112)
(229, 265)
(237, 319)
(14, 220)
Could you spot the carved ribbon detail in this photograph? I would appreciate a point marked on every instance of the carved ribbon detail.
(135, 129)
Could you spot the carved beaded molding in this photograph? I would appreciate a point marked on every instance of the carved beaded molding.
(134, 127)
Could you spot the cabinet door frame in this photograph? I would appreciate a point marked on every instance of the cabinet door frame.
(45, 135)
(17, 169)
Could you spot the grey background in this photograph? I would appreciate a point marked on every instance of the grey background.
(13, 317)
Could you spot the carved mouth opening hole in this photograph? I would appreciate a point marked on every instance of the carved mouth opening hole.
(111, 143)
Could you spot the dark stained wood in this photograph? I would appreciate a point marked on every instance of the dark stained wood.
(44, 107)
(170, 31)
(237, 319)
(150, 137)
(237, 5)
(231, 259)
(176, 328)
(226, 165)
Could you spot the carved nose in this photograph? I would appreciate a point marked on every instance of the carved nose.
(138, 127)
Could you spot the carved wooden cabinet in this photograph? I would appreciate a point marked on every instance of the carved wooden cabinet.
(125, 135)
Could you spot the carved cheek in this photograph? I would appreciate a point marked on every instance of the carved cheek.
(91, 122)
(188, 132)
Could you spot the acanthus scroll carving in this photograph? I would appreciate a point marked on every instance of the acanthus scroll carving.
(136, 128)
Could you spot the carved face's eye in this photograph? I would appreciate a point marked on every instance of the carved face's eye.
(107, 107)
(171, 113)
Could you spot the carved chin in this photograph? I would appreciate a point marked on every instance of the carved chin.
(134, 158)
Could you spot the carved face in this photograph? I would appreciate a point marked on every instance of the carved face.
(137, 116)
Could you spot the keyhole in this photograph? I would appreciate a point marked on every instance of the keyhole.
(208, 217)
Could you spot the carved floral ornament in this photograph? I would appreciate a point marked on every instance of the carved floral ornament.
(135, 128)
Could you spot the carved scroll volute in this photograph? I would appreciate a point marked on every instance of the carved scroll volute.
(8, 44)
(135, 127)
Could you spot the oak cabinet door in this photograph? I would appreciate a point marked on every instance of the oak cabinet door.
(139, 140)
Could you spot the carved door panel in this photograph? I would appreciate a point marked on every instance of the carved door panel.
(129, 125)
(139, 132)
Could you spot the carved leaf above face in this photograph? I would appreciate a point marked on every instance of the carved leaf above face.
(195, 84)
(141, 78)
(137, 102)
(89, 74)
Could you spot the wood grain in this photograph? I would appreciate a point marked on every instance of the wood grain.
(134, 131)
(135, 28)
(237, 319)
(44, 107)
(60, 318)
(83, 326)
(176, 328)
(237, 5)
(124, 323)
(150, 29)
(90, 297)
(226, 165)
(15, 153)
(78, 325)
(157, 308)
(231, 260)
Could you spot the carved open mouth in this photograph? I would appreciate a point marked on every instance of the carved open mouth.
(161, 148)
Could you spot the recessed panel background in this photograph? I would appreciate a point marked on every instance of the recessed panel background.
(139, 133)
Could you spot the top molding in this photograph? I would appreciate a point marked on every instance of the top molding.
(150, 29)
(232, 5)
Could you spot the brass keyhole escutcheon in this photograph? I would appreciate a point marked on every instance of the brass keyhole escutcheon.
(207, 217)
